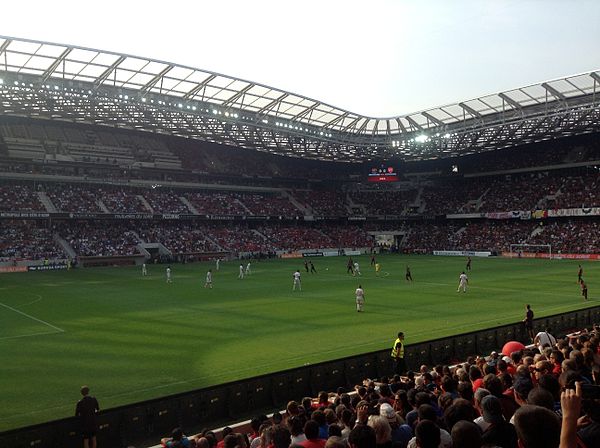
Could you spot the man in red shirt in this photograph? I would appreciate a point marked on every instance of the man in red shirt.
(311, 431)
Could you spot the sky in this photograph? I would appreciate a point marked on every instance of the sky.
(379, 58)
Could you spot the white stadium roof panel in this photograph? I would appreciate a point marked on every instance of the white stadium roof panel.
(78, 54)
(26, 47)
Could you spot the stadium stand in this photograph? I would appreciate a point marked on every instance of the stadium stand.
(478, 401)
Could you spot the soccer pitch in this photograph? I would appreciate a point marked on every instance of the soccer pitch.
(132, 338)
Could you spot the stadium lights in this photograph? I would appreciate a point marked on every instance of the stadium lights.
(1, 81)
(421, 138)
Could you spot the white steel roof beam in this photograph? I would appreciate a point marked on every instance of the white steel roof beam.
(104, 76)
(269, 106)
(236, 96)
(199, 87)
(470, 110)
(431, 118)
(55, 64)
(552, 91)
(510, 101)
(150, 84)
(413, 123)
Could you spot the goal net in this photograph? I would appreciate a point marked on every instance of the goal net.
(542, 250)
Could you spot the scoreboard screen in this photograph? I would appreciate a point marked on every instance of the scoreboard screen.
(383, 174)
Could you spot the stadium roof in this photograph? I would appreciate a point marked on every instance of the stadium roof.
(65, 82)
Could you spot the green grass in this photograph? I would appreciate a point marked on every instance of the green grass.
(132, 338)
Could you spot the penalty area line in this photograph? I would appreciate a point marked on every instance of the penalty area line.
(60, 330)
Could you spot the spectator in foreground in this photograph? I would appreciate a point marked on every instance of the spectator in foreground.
(362, 436)
(177, 440)
(466, 435)
(499, 432)
(537, 427)
(86, 410)
(427, 435)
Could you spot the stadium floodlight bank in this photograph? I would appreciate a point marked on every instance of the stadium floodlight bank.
(517, 249)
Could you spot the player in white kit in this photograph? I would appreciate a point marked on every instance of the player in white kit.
(208, 283)
(218, 262)
(144, 270)
(356, 269)
(463, 280)
(248, 271)
(360, 298)
(241, 275)
(169, 275)
(297, 281)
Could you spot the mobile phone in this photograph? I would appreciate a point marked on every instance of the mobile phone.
(590, 391)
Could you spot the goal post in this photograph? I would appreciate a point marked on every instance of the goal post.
(517, 249)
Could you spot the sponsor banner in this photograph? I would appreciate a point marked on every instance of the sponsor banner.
(330, 253)
(465, 215)
(255, 218)
(547, 255)
(357, 218)
(584, 211)
(312, 254)
(169, 216)
(515, 214)
(24, 215)
(86, 215)
(133, 216)
(6, 269)
(462, 253)
(50, 267)
(292, 255)
(220, 217)
(351, 252)
(539, 214)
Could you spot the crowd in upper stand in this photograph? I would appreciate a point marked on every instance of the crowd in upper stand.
(19, 198)
(524, 192)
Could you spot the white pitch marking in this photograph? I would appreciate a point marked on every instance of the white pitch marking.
(33, 318)
(30, 335)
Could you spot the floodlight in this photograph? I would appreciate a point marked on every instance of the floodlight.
(1, 81)
(421, 138)
(143, 100)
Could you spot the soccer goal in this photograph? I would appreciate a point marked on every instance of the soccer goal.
(516, 250)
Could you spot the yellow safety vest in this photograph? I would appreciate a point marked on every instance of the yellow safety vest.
(395, 352)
